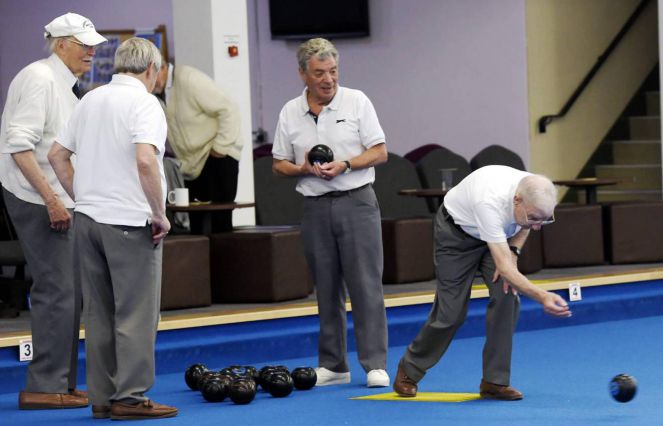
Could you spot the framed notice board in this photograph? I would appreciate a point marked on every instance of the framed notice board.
(102, 65)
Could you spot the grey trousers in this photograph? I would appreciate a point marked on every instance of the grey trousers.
(120, 273)
(457, 259)
(343, 243)
(55, 298)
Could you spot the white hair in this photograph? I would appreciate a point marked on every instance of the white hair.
(135, 55)
(539, 192)
(52, 42)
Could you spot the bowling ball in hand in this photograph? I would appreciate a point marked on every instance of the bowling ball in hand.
(320, 154)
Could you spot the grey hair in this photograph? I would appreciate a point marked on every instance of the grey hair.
(52, 42)
(135, 55)
(538, 191)
(318, 47)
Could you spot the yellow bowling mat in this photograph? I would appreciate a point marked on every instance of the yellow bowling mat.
(424, 397)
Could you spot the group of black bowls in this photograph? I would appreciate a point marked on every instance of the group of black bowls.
(240, 383)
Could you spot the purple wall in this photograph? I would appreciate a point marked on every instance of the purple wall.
(452, 72)
(22, 26)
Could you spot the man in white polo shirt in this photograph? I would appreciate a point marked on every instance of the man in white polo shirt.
(40, 100)
(118, 133)
(341, 226)
(482, 225)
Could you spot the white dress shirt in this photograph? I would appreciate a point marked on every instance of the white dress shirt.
(39, 103)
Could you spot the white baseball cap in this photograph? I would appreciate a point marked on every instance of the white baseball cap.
(73, 24)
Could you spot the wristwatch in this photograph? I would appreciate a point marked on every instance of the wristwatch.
(515, 250)
(348, 168)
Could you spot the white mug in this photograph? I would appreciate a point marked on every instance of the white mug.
(179, 197)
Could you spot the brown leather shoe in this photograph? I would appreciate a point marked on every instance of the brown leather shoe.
(501, 392)
(101, 411)
(47, 401)
(77, 392)
(403, 385)
(143, 410)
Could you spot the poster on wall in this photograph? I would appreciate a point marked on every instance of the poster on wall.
(102, 64)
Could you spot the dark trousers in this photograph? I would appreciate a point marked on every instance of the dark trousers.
(217, 183)
(457, 259)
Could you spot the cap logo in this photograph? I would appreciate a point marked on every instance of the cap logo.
(88, 25)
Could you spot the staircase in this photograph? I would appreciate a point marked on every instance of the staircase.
(631, 152)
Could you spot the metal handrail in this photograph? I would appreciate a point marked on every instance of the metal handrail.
(547, 119)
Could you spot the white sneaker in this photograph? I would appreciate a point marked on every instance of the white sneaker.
(377, 379)
(328, 377)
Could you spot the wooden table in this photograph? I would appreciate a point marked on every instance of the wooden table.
(589, 185)
(208, 210)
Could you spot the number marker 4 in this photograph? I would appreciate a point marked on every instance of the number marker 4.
(575, 293)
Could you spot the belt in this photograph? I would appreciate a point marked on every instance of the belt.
(335, 194)
(451, 222)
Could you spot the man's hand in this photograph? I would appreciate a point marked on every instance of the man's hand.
(505, 284)
(58, 215)
(333, 169)
(314, 169)
(554, 305)
(160, 228)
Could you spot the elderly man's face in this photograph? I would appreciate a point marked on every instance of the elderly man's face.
(529, 217)
(75, 55)
(321, 79)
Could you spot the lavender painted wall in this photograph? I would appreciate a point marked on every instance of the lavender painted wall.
(447, 71)
(22, 26)
(453, 72)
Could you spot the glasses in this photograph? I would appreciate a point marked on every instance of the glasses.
(547, 221)
(83, 45)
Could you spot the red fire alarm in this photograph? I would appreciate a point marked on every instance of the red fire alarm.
(233, 51)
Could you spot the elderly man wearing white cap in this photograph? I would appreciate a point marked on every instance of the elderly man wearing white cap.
(40, 100)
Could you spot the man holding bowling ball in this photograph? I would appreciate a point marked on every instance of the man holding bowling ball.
(341, 226)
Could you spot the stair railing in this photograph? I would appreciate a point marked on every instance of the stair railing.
(547, 119)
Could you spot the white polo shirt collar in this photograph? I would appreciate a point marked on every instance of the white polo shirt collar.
(128, 80)
(333, 105)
